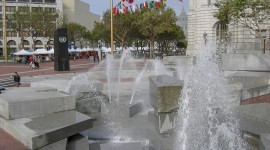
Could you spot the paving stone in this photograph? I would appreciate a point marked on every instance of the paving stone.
(39, 131)
(21, 105)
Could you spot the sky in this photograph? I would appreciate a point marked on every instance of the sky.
(99, 6)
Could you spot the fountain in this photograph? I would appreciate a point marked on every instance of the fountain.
(206, 95)
(204, 120)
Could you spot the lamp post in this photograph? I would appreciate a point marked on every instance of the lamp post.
(5, 31)
(112, 43)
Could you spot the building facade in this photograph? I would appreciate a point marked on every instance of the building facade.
(79, 12)
(203, 28)
(73, 10)
(13, 39)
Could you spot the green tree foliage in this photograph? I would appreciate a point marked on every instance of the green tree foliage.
(76, 32)
(251, 14)
(34, 23)
(155, 22)
(146, 26)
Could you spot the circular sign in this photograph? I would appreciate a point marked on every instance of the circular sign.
(62, 39)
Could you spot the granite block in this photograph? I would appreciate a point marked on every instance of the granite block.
(59, 145)
(121, 146)
(39, 131)
(165, 93)
(77, 142)
(21, 105)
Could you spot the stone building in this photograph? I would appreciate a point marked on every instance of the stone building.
(74, 10)
(204, 28)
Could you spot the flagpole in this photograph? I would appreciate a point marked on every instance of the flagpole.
(5, 31)
(112, 43)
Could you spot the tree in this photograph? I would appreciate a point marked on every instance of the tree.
(251, 14)
(21, 20)
(34, 23)
(173, 34)
(75, 32)
(123, 24)
(155, 22)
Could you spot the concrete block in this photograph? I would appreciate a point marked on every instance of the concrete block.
(135, 108)
(21, 105)
(249, 93)
(254, 118)
(162, 143)
(165, 93)
(70, 87)
(31, 89)
(77, 142)
(164, 122)
(59, 145)
(265, 141)
(246, 62)
(39, 131)
(121, 146)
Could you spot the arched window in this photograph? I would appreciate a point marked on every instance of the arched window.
(38, 42)
(50, 42)
(25, 42)
(11, 42)
(221, 30)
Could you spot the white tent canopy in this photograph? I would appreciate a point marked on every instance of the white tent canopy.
(23, 52)
(40, 51)
(51, 51)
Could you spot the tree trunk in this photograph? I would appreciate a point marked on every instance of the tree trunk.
(152, 48)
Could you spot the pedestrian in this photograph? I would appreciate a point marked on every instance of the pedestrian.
(17, 79)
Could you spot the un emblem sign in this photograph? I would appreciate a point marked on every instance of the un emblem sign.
(62, 39)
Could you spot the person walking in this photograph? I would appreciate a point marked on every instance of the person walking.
(17, 79)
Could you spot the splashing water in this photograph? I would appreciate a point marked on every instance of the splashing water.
(124, 58)
(205, 120)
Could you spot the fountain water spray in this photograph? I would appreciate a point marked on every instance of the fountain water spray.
(205, 119)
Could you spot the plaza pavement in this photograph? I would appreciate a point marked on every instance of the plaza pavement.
(46, 68)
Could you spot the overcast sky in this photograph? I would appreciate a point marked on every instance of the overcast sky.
(99, 6)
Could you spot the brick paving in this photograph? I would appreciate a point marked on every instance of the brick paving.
(259, 99)
(46, 68)
(7, 142)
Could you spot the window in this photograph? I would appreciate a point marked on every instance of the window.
(221, 31)
(10, 8)
(50, 1)
(38, 42)
(37, 1)
(50, 9)
(25, 42)
(23, 1)
(11, 34)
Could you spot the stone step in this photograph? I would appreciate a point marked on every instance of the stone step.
(39, 131)
(20, 105)
(7, 82)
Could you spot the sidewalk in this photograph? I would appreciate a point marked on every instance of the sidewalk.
(46, 68)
